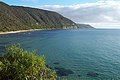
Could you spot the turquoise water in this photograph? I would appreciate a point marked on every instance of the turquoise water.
(91, 54)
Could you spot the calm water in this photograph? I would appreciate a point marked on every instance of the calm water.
(90, 54)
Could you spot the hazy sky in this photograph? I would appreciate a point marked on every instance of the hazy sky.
(99, 13)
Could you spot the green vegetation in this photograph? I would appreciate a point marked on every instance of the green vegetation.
(19, 64)
(14, 18)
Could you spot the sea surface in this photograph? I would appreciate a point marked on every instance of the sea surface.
(78, 54)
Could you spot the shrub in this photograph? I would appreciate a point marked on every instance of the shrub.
(19, 64)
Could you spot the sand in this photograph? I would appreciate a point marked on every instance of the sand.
(12, 32)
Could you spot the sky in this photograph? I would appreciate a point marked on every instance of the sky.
(98, 13)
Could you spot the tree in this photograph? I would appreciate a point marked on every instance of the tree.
(19, 64)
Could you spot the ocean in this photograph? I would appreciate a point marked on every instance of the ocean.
(76, 54)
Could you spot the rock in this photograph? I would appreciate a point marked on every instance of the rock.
(79, 75)
(56, 63)
(63, 72)
(92, 74)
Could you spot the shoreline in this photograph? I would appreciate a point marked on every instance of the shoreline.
(19, 31)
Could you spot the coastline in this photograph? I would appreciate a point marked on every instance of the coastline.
(19, 31)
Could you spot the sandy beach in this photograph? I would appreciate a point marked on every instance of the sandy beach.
(12, 32)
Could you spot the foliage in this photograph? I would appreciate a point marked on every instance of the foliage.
(13, 18)
(19, 64)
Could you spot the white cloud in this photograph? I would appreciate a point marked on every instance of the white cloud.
(102, 11)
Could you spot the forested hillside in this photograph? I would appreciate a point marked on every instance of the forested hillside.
(14, 18)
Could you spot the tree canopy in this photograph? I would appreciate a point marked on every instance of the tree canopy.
(19, 64)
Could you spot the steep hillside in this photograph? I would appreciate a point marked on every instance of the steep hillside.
(38, 18)
(8, 21)
(21, 18)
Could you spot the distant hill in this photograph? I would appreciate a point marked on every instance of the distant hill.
(84, 26)
(14, 18)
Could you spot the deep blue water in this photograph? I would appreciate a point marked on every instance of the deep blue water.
(92, 54)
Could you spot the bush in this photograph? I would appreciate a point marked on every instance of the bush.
(18, 64)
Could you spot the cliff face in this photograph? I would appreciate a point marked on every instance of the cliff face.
(20, 18)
